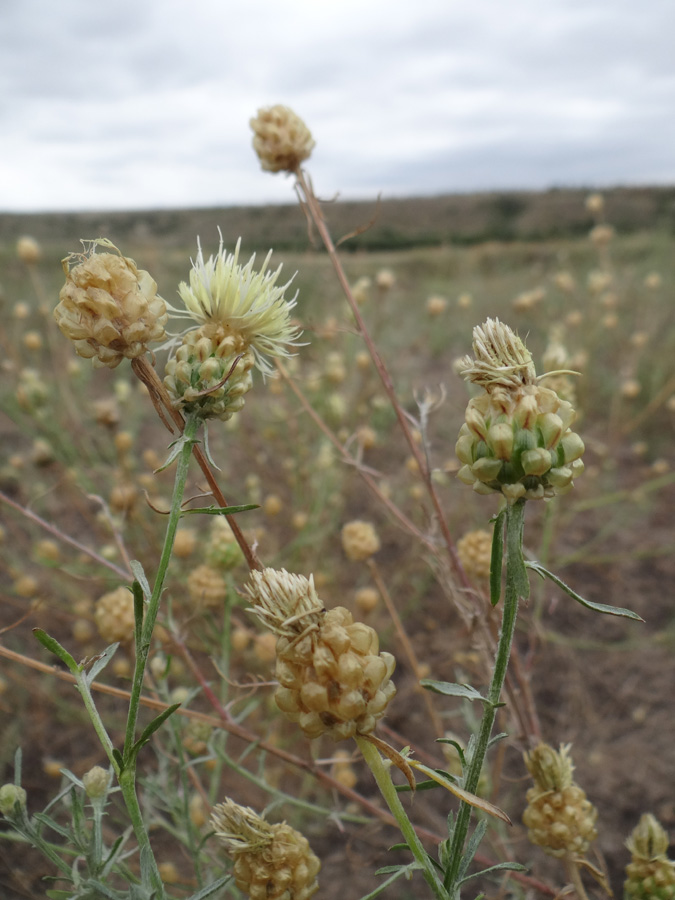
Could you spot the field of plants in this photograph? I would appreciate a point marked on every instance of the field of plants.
(344, 459)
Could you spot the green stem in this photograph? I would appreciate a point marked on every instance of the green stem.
(127, 777)
(127, 782)
(381, 773)
(515, 587)
(150, 616)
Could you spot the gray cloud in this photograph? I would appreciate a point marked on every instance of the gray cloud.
(146, 104)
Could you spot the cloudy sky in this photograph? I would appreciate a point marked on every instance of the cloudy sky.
(121, 104)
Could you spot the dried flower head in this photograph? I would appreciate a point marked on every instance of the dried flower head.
(271, 862)
(108, 307)
(558, 817)
(115, 615)
(28, 250)
(501, 358)
(359, 540)
(281, 139)
(333, 679)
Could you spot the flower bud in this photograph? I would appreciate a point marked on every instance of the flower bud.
(11, 795)
(96, 782)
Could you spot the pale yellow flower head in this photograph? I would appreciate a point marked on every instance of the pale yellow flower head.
(246, 302)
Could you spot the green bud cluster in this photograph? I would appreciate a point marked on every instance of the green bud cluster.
(518, 441)
(211, 372)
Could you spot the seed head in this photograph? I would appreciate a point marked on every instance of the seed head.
(332, 678)
(281, 139)
(108, 307)
(271, 862)
(28, 250)
(359, 540)
(559, 817)
(115, 615)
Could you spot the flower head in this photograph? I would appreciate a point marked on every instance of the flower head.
(108, 307)
(247, 303)
(501, 358)
(281, 139)
(270, 861)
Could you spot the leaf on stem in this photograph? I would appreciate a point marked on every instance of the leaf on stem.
(54, 647)
(504, 866)
(589, 604)
(496, 558)
(137, 591)
(450, 689)
(211, 889)
(471, 799)
(150, 729)
(99, 663)
(175, 449)
(397, 758)
(219, 510)
(140, 576)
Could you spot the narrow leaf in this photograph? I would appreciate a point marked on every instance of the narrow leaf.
(54, 647)
(403, 870)
(450, 689)
(219, 510)
(50, 823)
(495, 739)
(505, 866)
(211, 888)
(471, 848)
(597, 607)
(471, 799)
(420, 786)
(515, 565)
(401, 846)
(119, 759)
(496, 559)
(139, 612)
(141, 577)
(152, 727)
(100, 662)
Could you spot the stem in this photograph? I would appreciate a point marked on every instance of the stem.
(143, 648)
(127, 782)
(572, 872)
(513, 588)
(127, 777)
(381, 774)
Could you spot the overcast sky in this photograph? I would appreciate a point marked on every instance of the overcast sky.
(115, 104)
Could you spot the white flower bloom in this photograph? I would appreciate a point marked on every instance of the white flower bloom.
(246, 302)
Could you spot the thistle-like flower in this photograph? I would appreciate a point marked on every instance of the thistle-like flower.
(333, 679)
(108, 307)
(244, 318)
(271, 862)
(281, 139)
(516, 438)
